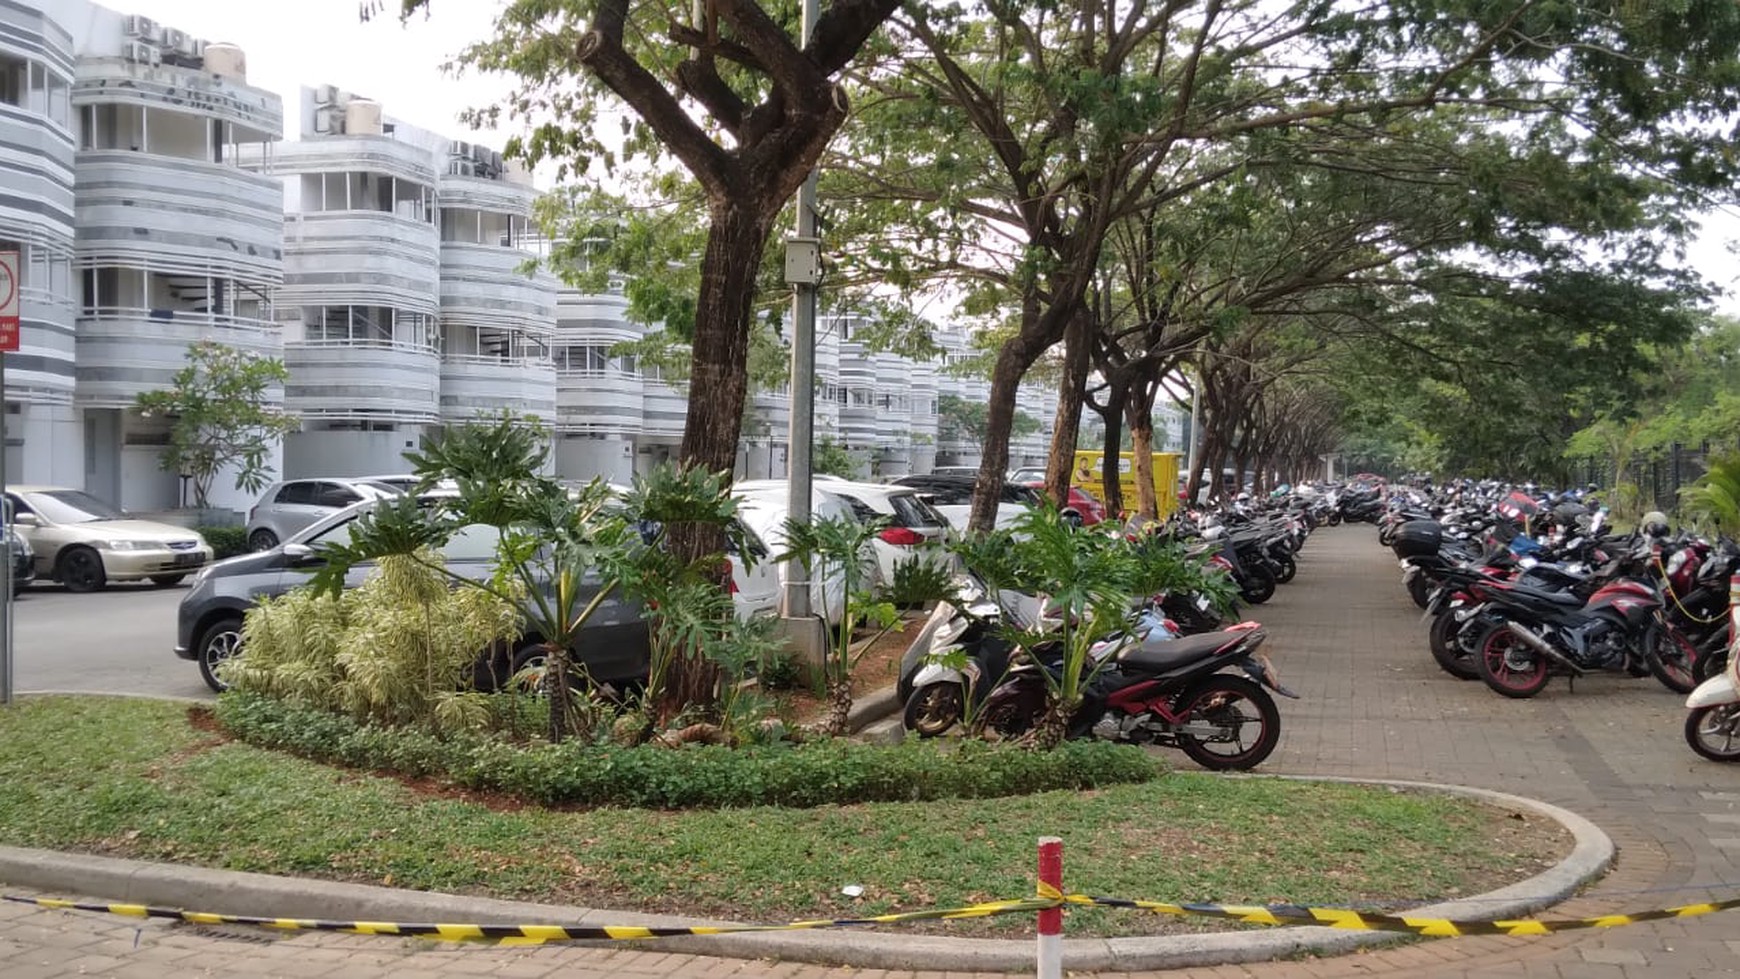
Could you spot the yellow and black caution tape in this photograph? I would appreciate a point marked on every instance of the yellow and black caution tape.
(1046, 898)
(1292, 914)
(529, 934)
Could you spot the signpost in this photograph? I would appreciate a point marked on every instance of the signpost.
(9, 329)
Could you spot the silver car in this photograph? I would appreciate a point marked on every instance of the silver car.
(288, 506)
(84, 543)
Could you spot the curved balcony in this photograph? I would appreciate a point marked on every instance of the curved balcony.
(473, 385)
(482, 285)
(124, 352)
(924, 398)
(357, 381)
(37, 177)
(190, 91)
(179, 215)
(360, 152)
(893, 400)
(484, 194)
(606, 401)
(361, 258)
(859, 419)
(36, 210)
(594, 318)
(665, 410)
(772, 412)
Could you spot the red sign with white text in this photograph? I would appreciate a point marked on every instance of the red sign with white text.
(8, 300)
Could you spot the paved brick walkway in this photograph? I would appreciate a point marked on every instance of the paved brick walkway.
(1348, 640)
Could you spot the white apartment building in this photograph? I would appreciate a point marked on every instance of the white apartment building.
(405, 303)
(154, 202)
(139, 232)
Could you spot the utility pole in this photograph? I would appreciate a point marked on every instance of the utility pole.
(803, 267)
(1195, 463)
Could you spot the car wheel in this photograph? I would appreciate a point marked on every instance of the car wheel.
(222, 640)
(262, 540)
(80, 569)
(167, 580)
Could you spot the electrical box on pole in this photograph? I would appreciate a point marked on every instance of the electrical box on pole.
(803, 261)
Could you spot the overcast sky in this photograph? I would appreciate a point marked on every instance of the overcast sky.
(312, 42)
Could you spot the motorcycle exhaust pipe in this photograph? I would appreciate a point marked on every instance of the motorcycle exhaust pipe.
(1534, 641)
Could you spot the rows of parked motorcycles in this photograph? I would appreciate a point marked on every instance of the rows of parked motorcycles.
(1520, 587)
(1179, 671)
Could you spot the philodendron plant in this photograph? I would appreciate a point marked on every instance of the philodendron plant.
(826, 546)
(561, 554)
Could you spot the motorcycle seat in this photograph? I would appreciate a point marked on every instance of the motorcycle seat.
(1166, 654)
(1541, 595)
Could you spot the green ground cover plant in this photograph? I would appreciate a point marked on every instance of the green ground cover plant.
(137, 779)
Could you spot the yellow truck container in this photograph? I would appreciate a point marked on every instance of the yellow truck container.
(1087, 475)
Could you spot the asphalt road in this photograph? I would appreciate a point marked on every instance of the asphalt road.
(119, 640)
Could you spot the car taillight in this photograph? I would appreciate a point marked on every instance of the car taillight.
(730, 577)
(901, 536)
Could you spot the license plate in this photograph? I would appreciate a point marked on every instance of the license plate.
(193, 560)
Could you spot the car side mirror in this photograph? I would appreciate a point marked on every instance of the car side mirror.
(300, 554)
(25, 520)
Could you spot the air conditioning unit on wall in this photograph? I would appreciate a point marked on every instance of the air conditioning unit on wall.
(144, 54)
(141, 27)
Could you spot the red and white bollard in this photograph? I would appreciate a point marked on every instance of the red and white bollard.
(1051, 919)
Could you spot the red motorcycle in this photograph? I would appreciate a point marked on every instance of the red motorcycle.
(1187, 693)
(1619, 628)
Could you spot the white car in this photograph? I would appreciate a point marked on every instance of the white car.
(763, 506)
(914, 531)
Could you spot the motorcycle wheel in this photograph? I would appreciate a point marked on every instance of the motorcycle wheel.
(1258, 585)
(1671, 657)
(1286, 568)
(1714, 731)
(1444, 635)
(1387, 534)
(1334, 519)
(1509, 666)
(1232, 702)
(933, 709)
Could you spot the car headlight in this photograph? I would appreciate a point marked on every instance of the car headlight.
(127, 545)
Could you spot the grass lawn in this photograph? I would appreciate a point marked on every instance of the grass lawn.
(134, 778)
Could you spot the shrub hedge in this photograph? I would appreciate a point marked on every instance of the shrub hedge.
(225, 541)
(693, 776)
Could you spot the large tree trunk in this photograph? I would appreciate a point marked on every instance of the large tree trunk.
(1071, 390)
(1140, 410)
(1012, 362)
(1113, 416)
(719, 377)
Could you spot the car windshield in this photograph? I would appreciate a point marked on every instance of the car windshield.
(71, 506)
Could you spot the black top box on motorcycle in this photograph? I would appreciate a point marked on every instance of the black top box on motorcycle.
(1418, 538)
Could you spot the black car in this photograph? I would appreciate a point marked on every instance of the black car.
(209, 619)
(23, 560)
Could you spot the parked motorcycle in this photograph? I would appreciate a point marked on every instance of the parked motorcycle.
(1176, 692)
(1713, 726)
(1620, 628)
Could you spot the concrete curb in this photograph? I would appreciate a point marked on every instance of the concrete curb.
(230, 892)
(870, 708)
